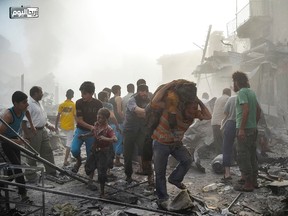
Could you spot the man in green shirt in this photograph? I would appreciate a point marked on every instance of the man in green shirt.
(247, 116)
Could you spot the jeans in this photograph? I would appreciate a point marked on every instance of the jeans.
(77, 143)
(228, 142)
(118, 146)
(161, 154)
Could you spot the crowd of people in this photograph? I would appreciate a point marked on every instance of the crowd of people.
(141, 126)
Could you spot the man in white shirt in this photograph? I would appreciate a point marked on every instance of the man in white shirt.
(38, 140)
(217, 116)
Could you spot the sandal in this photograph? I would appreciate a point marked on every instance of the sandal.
(179, 185)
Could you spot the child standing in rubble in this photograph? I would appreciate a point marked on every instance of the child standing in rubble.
(100, 151)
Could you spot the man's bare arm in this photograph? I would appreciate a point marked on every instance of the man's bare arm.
(82, 123)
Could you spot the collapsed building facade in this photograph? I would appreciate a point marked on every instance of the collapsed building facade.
(256, 43)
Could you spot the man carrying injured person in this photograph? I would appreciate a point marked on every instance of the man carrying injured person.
(179, 105)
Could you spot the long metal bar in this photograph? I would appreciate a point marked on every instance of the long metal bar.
(65, 172)
(38, 158)
(21, 138)
(91, 198)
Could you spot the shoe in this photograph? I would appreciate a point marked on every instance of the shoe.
(92, 187)
(129, 180)
(179, 185)
(25, 199)
(66, 164)
(75, 168)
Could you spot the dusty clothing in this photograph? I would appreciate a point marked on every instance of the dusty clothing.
(229, 131)
(88, 111)
(100, 154)
(218, 114)
(67, 110)
(166, 142)
(134, 131)
(246, 153)
(246, 147)
(164, 134)
(13, 154)
(39, 141)
(246, 95)
(125, 100)
(217, 117)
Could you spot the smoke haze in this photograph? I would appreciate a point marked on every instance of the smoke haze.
(108, 42)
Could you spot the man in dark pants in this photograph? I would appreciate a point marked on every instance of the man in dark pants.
(134, 127)
(247, 116)
(13, 117)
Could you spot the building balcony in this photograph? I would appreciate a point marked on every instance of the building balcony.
(253, 21)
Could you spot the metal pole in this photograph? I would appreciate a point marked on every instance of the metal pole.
(21, 138)
(91, 198)
(38, 158)
(74, 176)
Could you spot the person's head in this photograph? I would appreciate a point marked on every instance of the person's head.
(240, 80)
(19, 100)
(103, 96)
(69, 94)
(36, 93)
(107, 90)
(141, 82)
(227, 91)
(205, 95)
(116, 90)
(87, 89)
(190, 110)
(142, 91)
(130, 88)
(103, 115)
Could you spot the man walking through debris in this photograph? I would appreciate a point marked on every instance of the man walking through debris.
(67, 116)
(217, 117)
(134, 128)
(13, 117)
(179, 105)
(86, 115)
(247, 116)
(39, 140)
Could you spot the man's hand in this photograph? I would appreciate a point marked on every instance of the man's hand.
(33, 130)
(241, 134)
(51, 127)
